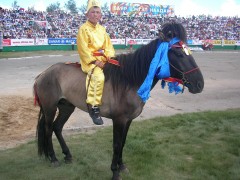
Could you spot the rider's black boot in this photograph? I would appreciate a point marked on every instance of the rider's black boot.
(95, 115)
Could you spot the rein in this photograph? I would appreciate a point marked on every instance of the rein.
(109, 60)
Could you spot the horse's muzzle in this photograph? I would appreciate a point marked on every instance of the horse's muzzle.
(196, 88)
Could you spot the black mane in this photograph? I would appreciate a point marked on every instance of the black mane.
(134, 66)
(173, 29)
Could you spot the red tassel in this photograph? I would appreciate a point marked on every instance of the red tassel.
(36, 98)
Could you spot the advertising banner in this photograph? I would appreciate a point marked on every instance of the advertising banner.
(62, 41)
(22, 42)
(190, 42)
(139, 9)
(41, 41)
(118, 41)
(138, 41)
(229, 42)
(6, 42)
(221, 42)
(127, 41)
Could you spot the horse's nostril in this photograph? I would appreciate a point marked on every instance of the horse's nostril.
(199, 85)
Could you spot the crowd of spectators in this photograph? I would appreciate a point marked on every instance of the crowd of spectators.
(16, 24)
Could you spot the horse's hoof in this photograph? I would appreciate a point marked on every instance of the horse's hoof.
(123, 168)
(118, 177)
(55, 164)
(68, 160)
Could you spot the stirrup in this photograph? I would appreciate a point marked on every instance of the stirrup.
(95, 115)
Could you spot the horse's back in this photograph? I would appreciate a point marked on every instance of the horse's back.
(62, 81)
(64, 73)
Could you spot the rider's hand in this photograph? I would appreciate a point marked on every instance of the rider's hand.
(99, 63)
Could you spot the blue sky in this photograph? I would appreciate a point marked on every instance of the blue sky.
(182, 7)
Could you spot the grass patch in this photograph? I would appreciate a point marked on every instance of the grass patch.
(202, 145)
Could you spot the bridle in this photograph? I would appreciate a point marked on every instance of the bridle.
(184, 81)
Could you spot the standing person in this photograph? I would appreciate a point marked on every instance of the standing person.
(92, 38)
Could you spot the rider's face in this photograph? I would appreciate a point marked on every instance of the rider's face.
(94, 15)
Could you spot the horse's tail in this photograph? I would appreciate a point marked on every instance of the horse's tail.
(36, 98)
(41, 134)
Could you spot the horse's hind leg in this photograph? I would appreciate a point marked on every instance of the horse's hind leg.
(49, 151)
(65, 111)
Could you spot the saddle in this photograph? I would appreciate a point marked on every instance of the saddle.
(73, 63)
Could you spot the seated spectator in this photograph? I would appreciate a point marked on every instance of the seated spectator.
(22, 23)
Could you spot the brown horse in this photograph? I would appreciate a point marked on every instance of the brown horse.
(62, 87)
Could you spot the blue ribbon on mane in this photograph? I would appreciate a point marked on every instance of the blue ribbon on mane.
(159, 67)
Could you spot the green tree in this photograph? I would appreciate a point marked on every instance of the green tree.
(15, 5)
(83, 9)
(71, 6)
(105, 8)
(31, 8)
(53, 7)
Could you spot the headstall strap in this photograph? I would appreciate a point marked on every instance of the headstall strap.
(183, 46)
(176, 46)
(191, 70)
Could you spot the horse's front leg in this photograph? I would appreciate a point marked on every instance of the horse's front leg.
(122, 167)
(119, 137)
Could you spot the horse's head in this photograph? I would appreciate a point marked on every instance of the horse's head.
(182, 64)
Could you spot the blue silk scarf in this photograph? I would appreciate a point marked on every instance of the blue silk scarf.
(159, 67)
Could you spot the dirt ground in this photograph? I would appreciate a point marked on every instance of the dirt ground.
(18, 115)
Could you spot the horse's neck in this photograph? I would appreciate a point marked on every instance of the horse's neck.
(142, 59)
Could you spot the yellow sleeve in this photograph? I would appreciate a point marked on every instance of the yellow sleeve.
(82, 45)
(109, 49)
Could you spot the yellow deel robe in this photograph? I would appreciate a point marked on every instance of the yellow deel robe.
(90, 39)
